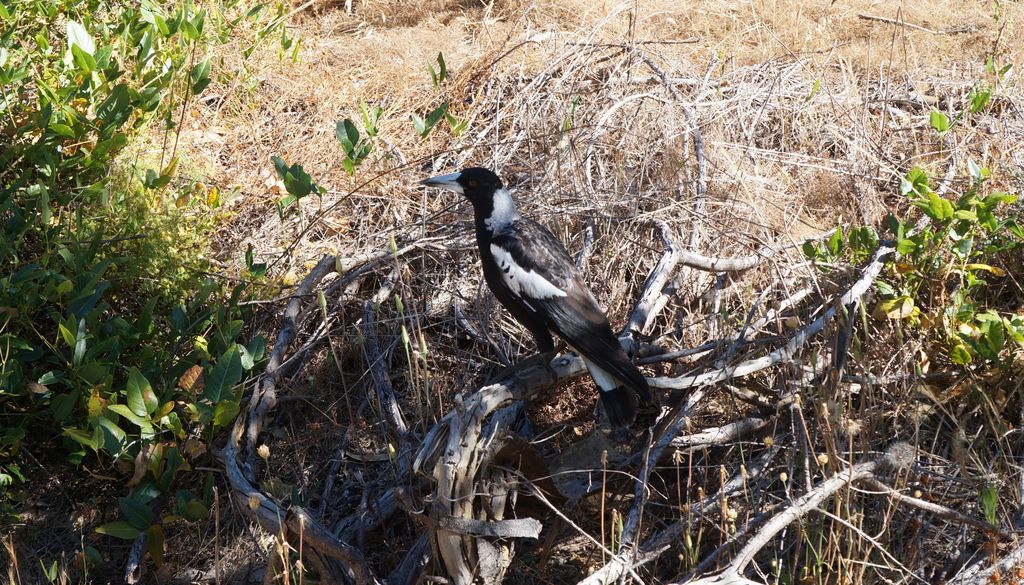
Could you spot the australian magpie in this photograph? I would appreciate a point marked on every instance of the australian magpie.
(533, 276)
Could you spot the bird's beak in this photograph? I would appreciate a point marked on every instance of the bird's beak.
(448, 182)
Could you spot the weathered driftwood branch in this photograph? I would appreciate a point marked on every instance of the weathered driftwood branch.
(265, 397)
(652, 296)
(722, 435)
(785, 353)
(713, 264)
(937, 509)
(295, 523)
(279, 522)
(377, 365)
(998, 571)
(468, 448)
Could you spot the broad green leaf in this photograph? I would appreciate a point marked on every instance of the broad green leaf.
(200, 76)
(939, 121)
(136, 512)
(81, 437)
(222, 378)
(979, 99)
(126, 412)
(960, 354)
(141, 398)
(224, 413)
(119, 529)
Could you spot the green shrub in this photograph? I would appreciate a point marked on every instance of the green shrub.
(106, 316)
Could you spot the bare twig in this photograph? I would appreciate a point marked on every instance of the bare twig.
(910, 25)
(801, 337)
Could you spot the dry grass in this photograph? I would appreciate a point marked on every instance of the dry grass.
(809, 114)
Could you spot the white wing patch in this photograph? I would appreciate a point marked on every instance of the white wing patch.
(605, 381)
(525, 283)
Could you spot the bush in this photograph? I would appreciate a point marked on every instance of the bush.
(98, 344)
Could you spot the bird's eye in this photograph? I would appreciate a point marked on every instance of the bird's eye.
(474, 183)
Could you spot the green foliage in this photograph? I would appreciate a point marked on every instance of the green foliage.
(940, 281)
(356, 147)
(108, 329)
(425, 125)
(297, 183)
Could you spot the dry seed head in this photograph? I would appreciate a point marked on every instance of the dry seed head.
(822, 459)
(254, 503)
(783, 477)
(901, 455)
(263, 451)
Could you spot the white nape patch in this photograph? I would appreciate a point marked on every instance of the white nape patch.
(605, 381)
(525, 283)
(503, 211)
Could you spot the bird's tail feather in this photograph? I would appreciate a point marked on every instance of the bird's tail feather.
(618, 404)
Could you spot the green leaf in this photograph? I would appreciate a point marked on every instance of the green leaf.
(200, 76)
(222, 378)
(979, 99)
(419, 125)
(224, 413)
(965, 214)
(906, 246)
(810, 249)
(960, 354)
(82, 59)
(835, 243)
(81, 437)
(916, 181)
(136, 512)
(141, 398)
(939, 121)
(126, 412)
(116, 108)
(79, 37)
(434, 117)
(938, 208)
(119, 529)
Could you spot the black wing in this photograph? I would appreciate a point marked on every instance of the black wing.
(573, 315)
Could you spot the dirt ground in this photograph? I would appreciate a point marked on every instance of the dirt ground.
(810, 113)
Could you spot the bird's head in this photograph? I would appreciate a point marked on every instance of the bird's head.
(476, 184)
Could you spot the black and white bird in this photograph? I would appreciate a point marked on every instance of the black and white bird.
(533, 276)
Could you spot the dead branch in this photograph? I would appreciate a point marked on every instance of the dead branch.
(265, 397)
(994, 573)
(469, 446)
(722, 435)
(937, 509)
(382, 384)
(712, 264)
(652, 297)
(912, 26)
(665, 539)
(785, 353)
(799, 508)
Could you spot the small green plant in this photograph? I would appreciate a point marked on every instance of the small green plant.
(424, 126)
(297, 183)
(355, 146)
